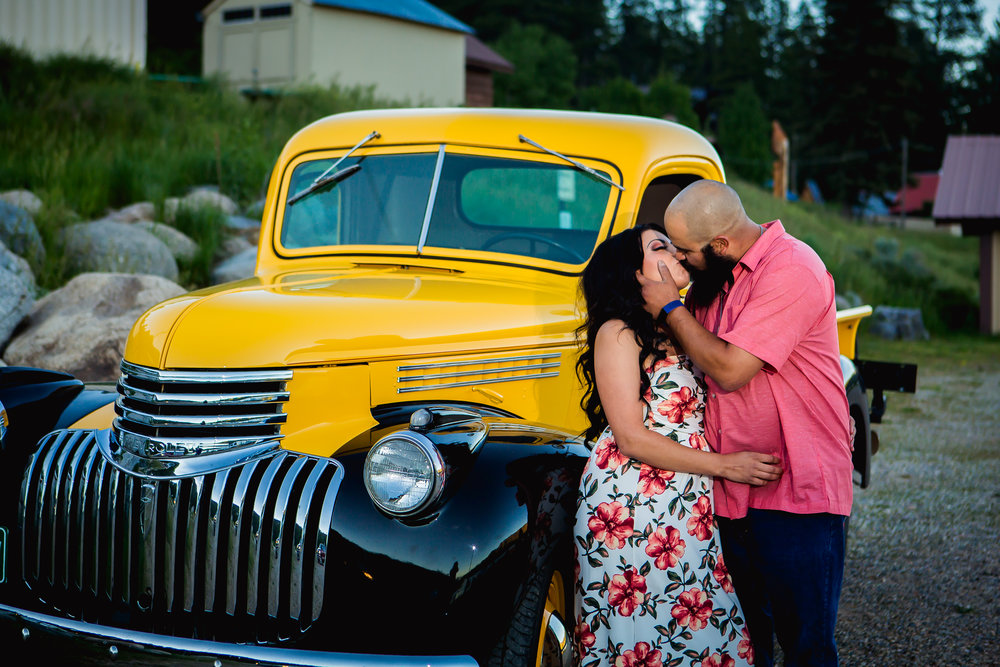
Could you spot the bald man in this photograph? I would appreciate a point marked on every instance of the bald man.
(760, 321)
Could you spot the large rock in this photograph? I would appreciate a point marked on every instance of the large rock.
(143, 210)
(199, 198)
(115, 247)
(19, 233)
(237, 267)
(23, 198)
(17, 292)
(181, 245)
(81, 328)
(898, 323)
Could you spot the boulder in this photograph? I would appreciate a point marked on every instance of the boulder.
(17, 292)
(232, 246)
(237, 267)
(19, 233)
(181, 245)
(23, 198)
(81, 328)
(210, 198)
(898, 323)
(115, 247)
(143, 210)
(200, 198)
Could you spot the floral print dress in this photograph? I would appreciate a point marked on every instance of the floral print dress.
(652, 588)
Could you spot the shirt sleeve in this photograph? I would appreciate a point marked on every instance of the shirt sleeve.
(786, 300)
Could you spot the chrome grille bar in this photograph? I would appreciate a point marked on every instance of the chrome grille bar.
(242, 542)
(521, 367)
(214, 376)
(479, 362)
(482, 373)
(189, 548)
(199, 421)
(159, 398)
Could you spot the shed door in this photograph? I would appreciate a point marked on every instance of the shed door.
(258, 54)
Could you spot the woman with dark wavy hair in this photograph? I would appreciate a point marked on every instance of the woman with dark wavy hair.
(652, 585)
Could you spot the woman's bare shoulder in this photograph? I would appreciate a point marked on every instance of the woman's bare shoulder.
(616, 332)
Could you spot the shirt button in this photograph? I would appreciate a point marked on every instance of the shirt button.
(720, 432)
(713, 394)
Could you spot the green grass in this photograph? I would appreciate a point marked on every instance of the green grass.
(930, 270)
(942, 353)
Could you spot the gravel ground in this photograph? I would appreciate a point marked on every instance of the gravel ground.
(922, 580)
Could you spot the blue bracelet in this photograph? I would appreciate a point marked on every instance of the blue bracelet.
(669, 308)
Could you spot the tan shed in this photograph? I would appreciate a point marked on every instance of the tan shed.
(408, 50)
(112, 29)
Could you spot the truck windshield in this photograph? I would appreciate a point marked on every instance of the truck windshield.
(520, 207)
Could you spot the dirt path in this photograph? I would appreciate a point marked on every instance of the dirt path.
(922, 585)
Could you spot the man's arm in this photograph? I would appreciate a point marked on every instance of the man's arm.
(730, 366)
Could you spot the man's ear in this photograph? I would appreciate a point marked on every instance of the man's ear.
(720, 244)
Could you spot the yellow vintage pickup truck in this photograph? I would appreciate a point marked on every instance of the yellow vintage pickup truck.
(369, 452)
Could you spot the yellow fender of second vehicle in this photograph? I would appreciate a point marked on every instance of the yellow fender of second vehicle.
(847, 328)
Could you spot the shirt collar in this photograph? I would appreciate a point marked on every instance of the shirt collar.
(751, 258)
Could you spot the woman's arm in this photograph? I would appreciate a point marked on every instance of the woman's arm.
(616, 367)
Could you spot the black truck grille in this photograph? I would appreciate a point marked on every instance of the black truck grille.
(247, 542)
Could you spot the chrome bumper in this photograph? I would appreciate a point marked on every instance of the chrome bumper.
(42, 635)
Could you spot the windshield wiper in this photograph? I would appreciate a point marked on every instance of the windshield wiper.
(579, 165)
(322, 179)
(318, 184)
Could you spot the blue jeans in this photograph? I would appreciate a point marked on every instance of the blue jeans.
(787, 570)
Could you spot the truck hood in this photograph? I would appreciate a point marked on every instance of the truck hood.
(353, 316)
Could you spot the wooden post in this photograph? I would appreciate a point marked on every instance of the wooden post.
(989, 282)
(779, 146)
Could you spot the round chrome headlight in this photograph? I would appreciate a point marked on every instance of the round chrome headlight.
(404, 473)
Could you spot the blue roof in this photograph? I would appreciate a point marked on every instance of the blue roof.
(415, 11)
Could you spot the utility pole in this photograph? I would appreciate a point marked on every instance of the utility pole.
(902, 186)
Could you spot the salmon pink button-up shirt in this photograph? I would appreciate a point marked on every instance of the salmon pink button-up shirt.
(780, 308)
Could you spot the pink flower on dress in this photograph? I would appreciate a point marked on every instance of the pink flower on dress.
(669, 360)
(584, 637)
(745, 647)
(721, 575)
(665, 547)
(702, 521)
(653, 481)
(716, 660)
(679, 405)
(693, 609)
(640, 656)
(698, 441)
(626, 591)
(607, 454)
(611, 524)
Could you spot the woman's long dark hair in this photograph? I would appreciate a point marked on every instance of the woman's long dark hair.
(611, 291)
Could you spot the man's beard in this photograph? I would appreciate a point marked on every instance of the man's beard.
(707, 283)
